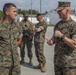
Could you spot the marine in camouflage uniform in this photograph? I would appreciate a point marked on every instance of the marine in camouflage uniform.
(10, 33)
(65, 56)
(27, 39)
(65, 50)
(8, 49)
(39, 39)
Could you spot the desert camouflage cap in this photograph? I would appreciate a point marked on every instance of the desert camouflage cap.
(61, 5)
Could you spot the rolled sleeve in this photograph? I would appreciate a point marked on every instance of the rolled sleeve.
(20, 36)
(42, 28)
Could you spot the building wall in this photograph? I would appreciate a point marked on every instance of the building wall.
(73, 17)
(33, 19)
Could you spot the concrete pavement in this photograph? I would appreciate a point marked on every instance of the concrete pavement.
(49, 54)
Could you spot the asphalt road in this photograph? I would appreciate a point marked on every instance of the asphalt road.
(49, 54)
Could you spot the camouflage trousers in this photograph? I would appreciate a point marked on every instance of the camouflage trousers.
(28, 44)
(39, 51)
(10, 71)
(65, 71)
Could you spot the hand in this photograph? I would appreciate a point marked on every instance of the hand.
(49, 41)
(74, 41)
(34, 29)
(58, 34)
(37, 29)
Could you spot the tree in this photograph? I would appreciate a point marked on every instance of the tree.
(1, 14)
(27, 11)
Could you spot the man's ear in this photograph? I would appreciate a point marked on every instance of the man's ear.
(7, 12)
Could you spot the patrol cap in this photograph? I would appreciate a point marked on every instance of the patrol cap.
(62, 5)
(25, 14)
(38, 14)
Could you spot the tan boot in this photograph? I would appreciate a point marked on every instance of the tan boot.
(37, 67)
(30, 62)
(22, 60)
(43, 67)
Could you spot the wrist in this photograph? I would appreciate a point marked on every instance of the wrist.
(62, 37)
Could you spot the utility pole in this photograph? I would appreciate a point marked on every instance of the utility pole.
(31, 10)
(40, 6)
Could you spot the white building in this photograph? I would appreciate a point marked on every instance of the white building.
(32, 19)
(52, 17)
(73, 17)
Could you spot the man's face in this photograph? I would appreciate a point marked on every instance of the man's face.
(39, 18)
(26, 18)
(62, 14)
(12, 13)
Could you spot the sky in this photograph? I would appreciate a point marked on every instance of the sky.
(46, 5)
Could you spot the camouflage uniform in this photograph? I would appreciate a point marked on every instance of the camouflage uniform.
(27, 38)
(65, 56)
(9, 59)
(39, 39)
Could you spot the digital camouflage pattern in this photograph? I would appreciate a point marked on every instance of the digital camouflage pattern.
(27, 39)
(10, 70)
(28, 25)
(65, 56)
(40, 36)
(65, 71)
(9, 34)
(62, 5)
(39, 39)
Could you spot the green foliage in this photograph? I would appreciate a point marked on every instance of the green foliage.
(1, 14)
(27, 11)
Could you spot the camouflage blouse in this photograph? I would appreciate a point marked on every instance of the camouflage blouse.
(9, 34)
(40, 36)
(63, 53)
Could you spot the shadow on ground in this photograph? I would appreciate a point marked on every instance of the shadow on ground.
(26, 64)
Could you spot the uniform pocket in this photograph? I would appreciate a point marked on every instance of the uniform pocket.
(7, 59)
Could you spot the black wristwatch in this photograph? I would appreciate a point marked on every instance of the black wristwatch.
(62, 37)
